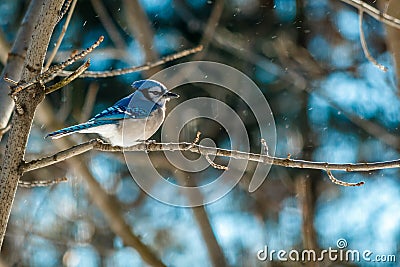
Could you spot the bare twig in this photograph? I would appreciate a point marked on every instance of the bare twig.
(53, 70)
(375, 13)
(10, 80)
(63, 31)
(339, 182)
(196, 140)
(364, 44)
(69, 79)
(30, 184)
(215, 165)
(147, 66)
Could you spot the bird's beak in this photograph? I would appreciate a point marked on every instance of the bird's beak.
(171, 95)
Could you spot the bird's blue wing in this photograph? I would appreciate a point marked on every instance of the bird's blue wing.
(118, 112)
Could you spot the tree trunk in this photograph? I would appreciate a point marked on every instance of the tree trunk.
(28, 100)
(15, 61)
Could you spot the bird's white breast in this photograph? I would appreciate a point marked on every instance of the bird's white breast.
(129, 132)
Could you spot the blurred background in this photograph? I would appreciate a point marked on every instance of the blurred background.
(330, 103)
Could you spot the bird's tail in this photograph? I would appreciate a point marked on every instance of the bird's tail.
(70, 130)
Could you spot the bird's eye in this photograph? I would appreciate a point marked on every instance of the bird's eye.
(155, 92)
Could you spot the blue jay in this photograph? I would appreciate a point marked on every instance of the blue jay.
(132, 119)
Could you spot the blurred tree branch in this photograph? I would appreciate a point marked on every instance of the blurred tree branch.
(4, 48)
(108, 24)
(138, 23)
(215, 251)
(211, 26)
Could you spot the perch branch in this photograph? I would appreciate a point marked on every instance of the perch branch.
(97, 144)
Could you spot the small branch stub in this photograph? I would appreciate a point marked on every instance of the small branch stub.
(342, 183)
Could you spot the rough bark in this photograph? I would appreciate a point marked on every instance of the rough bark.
(16, 58)
(28, 100)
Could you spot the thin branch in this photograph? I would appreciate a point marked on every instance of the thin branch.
(11, 81)
(342, 183)
(69, 79)
(196, 140)
(215, 165)
(75, 57)
(53, 70)
(63, 31)
(147, 66)
(97, 144)
(30, 184)
(364, 44)
(375, 13)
